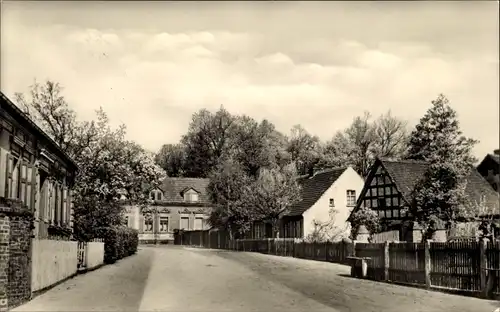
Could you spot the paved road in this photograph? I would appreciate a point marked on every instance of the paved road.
(184, 280)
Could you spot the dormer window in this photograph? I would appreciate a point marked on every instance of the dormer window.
(190, 195)
(156, 195)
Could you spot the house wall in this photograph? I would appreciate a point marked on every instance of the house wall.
(173, 214)
(320, 211)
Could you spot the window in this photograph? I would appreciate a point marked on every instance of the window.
(125, 220)
(332, 202)
(351, 198)
(198, 223)
(163, 224)
(191, 196)
(152, 195)
(148, 225)
(159, 195)
(185, 223)
(381, 202)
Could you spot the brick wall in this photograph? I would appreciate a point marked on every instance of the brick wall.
(16, 226)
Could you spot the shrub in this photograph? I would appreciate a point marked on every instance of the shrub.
(119, 242)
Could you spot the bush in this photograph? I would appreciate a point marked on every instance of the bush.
(119, 242)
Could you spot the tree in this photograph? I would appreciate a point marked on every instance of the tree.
(304, 149)
(109, 166)
(440, 195)
(272, 193)
(258, 145)
(391, 137)
(367, 217)
(172, 158)
(208, 141)
(227, 192)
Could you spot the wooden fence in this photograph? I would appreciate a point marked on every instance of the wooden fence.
(468, 266)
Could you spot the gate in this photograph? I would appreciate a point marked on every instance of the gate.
(82, 250)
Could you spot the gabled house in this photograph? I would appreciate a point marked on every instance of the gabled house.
(179, 203)
(323, 191)
(489, 168)
(388, 190)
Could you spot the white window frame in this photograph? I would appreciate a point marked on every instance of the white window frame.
(331, 202)
(162, 218)
(351, 198)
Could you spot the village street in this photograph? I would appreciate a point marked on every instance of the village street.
(184, 279)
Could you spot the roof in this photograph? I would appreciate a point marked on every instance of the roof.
(406, 174)
(173, 188)
(312, 188)
(27, 122)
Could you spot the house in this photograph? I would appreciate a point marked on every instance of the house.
(36, 178)
(323, 191)
(388, 190)
(489, 168)
(179, 203)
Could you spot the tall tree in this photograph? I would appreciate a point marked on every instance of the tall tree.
(258, 145)
(109, 165)
(227, 192)
(440, 196)
(304, 149)
(391, 137)
(272, 193)
(172, 158)
(208, 141)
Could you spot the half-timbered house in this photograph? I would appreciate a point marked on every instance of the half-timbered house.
(388, 190)
(489, 168)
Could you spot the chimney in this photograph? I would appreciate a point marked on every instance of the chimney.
(496, 152)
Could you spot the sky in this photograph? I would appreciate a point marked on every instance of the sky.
(151, 65)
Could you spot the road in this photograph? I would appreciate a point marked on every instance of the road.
(183, 280)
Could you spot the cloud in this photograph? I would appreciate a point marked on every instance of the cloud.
(153, 80)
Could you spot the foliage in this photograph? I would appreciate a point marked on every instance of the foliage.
(304, 148)
(367, 217)
(326, 231)
(119, 242)
(258, 145)
(358, 145)
(109, 165)
(208, 141)
(172, 158)
(272, 193)
(440, 195)
(227, 191)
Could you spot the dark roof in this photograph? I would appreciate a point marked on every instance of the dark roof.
(173, 188)
(312, 188)
(24, 120)
(405, 174)
(494, 157)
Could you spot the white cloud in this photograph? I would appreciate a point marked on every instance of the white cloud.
(154, 81)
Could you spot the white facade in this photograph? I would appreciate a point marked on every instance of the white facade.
(348, 182)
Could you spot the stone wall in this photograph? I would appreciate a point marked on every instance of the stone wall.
(16, 228)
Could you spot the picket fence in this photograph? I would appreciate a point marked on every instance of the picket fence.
(468, 266)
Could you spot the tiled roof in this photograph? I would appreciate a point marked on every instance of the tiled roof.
(312, 189)
(173, 187)
(407, 173)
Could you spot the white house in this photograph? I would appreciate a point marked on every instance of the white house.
(331, 190)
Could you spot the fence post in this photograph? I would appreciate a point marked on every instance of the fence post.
(386, 261)
(483, 263)
(427, 253)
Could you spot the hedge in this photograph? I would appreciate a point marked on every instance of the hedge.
(119, 242)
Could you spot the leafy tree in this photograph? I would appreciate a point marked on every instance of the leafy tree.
(109, 166)
(272, 193)
(304, 148)
(208, 141)
(367, 217)
(258, 145)
(227, 192)
(172, 158)
(439, 197)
